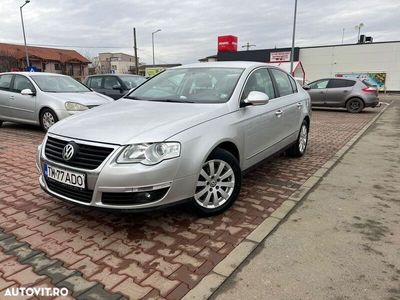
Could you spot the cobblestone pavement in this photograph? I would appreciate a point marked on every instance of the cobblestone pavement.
(45, 242)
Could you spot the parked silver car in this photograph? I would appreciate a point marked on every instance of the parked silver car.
(187, 133)
(354, 95)
(43, 98)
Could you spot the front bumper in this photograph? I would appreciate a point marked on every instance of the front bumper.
(119, 186)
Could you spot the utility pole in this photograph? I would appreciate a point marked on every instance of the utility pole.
(23, 31)
(293, 37)
(342, 36)
(135, 47)
(248, 46)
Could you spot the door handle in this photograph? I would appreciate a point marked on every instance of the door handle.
(278, 113)
(12, 97)
(299, 105)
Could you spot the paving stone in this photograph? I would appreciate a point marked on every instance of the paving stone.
(56, 272)
(98, 293)
(159, 282)
(132, 290)
(76, 284)
(10, 244)
(24, 252)
(39, 262)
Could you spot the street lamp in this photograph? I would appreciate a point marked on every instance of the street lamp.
(152, 42)
(358, 27)
(293, 37)
(23, 31)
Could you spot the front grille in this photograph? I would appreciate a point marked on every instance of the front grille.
(70, 191)
(88, 157)
(133, 198)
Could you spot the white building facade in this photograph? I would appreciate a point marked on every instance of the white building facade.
(380, 61)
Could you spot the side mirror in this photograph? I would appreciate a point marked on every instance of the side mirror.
(306, 87)
(117, 87)
(256, 98)
(27, 92)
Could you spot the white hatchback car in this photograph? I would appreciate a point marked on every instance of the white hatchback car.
(44, 98)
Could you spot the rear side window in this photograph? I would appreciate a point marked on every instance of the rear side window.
(320, 84)
(339, 83)
(22, 83)
(294, 85)
(95, 82)
(282, 80)
(5, 82)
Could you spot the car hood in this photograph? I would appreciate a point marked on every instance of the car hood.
(129, 121)
(87, 98)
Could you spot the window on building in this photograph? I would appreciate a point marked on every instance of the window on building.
(22, 83)
(5, 82)
(282, 80)
(259, 81)
(57, 67)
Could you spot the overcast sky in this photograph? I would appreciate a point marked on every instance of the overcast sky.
(190, 28)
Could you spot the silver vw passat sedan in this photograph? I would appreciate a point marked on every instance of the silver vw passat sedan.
(186, 134)
(43, 98)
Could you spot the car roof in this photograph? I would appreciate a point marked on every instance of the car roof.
(33, 73)
(225, 64)
(131, 75)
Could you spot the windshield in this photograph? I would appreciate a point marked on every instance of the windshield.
(194, 85)
(59, 84)
(132, 81)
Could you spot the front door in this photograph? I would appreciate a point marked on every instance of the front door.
(318, 91)
(5, 94)
(110, 85)
(338, 91)
(262, 124)
(23, 107)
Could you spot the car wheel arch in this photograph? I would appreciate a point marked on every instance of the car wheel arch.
(44, 108)
(226, 145)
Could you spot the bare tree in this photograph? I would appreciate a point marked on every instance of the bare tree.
(7, 61)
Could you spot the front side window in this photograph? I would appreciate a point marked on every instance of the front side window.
(196, 85)
(283, 83)
(5, 82)
(58, 84)
(132, 81)
(22, 83)
(320, 84)
(110, 82)
(259, 81)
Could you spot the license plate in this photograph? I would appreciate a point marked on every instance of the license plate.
(65, 176)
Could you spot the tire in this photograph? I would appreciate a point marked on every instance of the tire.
(355, 105)
(1, 123)
(220, 178)
(47, 118)
(300, 146)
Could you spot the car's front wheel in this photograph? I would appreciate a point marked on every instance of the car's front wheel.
(47, 118)
(219, 183)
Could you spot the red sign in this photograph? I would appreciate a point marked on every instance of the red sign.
(279, 56)
(227, 43)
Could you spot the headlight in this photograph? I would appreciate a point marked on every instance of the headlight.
(149, 154)
(73, 106)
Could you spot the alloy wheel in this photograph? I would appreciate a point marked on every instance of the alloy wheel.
(303, 138)
(215, 184)
(48, 120)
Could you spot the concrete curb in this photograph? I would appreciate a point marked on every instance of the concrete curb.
(211, 282)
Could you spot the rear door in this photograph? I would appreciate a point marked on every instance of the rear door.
(338, 91)
(317, 92)
(290, 104)
(22, 107)
(5, 95)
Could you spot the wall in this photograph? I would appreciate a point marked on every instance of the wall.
(319, 62)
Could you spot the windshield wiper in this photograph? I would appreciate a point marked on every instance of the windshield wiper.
(172, 100)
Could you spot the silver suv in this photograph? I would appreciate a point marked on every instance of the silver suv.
(354, 95)
(186, 134)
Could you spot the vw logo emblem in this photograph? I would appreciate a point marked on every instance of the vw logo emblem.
(69, 151)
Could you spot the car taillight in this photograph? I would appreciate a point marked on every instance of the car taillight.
(369, 90)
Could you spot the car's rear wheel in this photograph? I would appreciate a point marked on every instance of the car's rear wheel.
(47, 118)
(299, 147)
(355, 105)
(219, 183)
